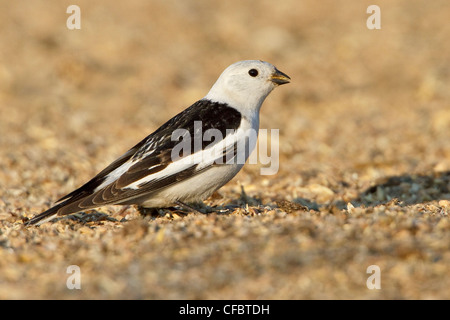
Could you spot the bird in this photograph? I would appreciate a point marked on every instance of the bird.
(158, 173)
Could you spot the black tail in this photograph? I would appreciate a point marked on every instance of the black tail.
(45, 216)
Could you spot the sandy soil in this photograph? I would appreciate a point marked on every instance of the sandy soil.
(364, 152)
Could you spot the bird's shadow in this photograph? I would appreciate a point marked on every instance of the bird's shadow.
(404, 190)
(407, 189)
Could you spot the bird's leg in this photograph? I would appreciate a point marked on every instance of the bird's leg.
(152, 212)
(123, 210)
(187, 207)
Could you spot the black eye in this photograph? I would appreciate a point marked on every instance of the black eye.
(253, 72)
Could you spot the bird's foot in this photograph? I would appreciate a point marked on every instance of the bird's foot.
(188, 207)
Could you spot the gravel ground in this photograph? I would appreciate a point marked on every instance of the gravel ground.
(364, 153)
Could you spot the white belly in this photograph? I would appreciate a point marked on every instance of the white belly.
(194, 189)
(202, 185)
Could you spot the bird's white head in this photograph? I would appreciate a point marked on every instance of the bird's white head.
(245, 84)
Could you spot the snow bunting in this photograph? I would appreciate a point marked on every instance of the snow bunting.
(160, 171)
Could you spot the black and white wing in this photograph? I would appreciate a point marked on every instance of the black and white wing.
(148, 167)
